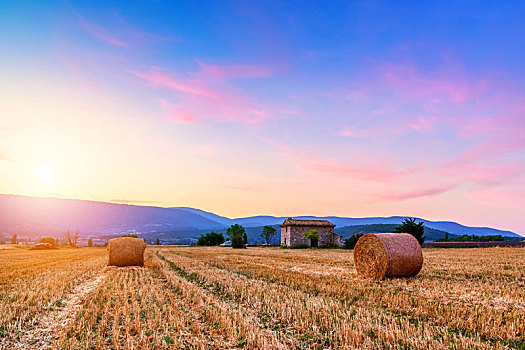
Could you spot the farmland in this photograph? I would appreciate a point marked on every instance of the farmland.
(258, 298)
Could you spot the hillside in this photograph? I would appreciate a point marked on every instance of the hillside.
(35, 217)
(38, 216)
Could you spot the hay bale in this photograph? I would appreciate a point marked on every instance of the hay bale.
(126, 251)
(43, 246)
(381, 255)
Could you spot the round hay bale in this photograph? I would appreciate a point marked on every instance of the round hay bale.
(381, 255)
(126, 251)
(43, 246)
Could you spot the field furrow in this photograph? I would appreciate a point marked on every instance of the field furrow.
(481, 309)
(315, 320)
(259, 298)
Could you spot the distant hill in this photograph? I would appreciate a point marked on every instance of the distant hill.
(37, 217)
(40, 216)
(214, 217)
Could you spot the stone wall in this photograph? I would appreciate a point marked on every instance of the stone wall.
(293, 235)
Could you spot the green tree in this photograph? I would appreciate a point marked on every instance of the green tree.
(90, 242)
(210, 239)
(415, 229)
(48, 240)
(14, 239)
(158, 241)
(268, 233)
(236, 233)
(313, 236)
(351, 241)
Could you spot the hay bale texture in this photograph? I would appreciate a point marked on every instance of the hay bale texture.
(381, 255)
(126, 251)
(43, 246)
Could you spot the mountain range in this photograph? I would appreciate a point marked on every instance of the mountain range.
(36, 217)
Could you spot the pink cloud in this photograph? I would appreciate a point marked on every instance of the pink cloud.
(500, 197)
(418, 193)
(156, 77)
(446, 84)
(236, 71)
(423, 124)
(354, 132)
(207, 94)
(180, 115)
(99, 32)
(357, 171)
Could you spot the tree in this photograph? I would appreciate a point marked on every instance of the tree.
(14, 239)
(313, 236)
(158, 241)
(130, 235)
(56, 242)
(245, 238)
(268, 233)
(415, 229)
(237, 235)
(72, 238)
(48, 240)
(351, 241)
(210, 239)
(90, 242)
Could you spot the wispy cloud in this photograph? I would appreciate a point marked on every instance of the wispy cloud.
(417, 193)
(505, 196)
(236, 71)
(444, 84)
(359, 171)
(100, 33)
(208, 93)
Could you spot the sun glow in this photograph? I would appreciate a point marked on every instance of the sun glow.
(45, 174)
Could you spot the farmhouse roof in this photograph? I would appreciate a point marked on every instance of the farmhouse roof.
(297, 222)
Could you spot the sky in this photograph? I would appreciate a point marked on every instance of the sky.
(347, 108)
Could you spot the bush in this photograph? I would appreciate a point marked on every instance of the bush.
(47, 240)
(351, 241)
(210, 239)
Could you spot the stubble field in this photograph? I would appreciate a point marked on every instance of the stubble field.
(259, 298)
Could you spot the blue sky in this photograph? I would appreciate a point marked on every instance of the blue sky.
(343, 108)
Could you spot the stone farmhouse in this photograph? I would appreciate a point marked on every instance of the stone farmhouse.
(292, 231)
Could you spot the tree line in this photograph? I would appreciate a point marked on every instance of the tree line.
(237, 236)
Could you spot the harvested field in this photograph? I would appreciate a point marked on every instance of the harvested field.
(206, 298)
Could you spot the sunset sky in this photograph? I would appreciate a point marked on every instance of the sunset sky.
(281, 108)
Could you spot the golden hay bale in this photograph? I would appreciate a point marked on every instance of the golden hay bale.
(381, 255)
(43, 246)
(126, 251)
